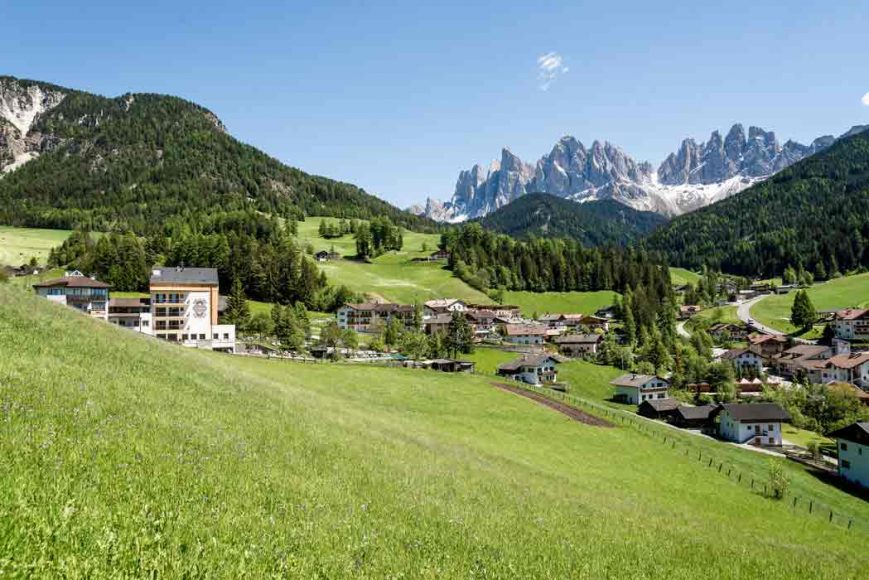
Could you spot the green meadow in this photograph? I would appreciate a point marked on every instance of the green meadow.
(394, 276)
(125, 456)
(680, 276)
(570, 302)
(775, 311)
(19, 245)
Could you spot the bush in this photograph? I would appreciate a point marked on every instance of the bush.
(778, 481)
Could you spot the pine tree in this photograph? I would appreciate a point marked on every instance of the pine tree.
(460, 335)
(803, 313)
(237, 309)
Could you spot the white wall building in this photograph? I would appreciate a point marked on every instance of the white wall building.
(755, 423)
(851, 323)
(184, 304)
(853, 445)
(634, 388)
(74, 289)
(532, 369)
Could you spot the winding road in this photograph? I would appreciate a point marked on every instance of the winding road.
(743, 312)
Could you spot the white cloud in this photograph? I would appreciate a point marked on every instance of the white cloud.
(865, 99)
(549, 67)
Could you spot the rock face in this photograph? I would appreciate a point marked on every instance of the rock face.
(695, 175)
(21, 105)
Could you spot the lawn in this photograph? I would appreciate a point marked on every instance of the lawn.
(392, 276)
(714, 315)
(775, 311)
(569, 302)
(18, 245)
(126, 456)
(802, 437)
(680, 276)
(591, 381)
(487, 359)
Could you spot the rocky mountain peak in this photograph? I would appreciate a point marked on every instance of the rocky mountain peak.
(22, 103)
(696, 174)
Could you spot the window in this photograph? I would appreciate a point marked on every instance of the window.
(215, 335)
(843, 446)
(770, 427)
(144, 323)
(846, 464)
(183, 337)
(201, 337)
(226, 337)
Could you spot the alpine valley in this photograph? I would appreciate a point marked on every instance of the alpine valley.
(695, 176)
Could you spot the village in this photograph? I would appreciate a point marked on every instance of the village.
(184, 307)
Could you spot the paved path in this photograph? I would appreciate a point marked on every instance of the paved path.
(743, 312)
(682, 331)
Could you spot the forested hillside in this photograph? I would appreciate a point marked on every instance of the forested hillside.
(145, 162)
(595, 223)
(814, 214)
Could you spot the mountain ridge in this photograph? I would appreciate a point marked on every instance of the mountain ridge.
(693, 176)
(69, 158)
(595, 223)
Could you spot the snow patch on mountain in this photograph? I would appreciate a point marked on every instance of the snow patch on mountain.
(695, 175)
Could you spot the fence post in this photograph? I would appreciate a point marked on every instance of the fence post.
(849, 524)
(811, 505)
(795, 501)
(831, 516)
(740, 478)
(752, 483)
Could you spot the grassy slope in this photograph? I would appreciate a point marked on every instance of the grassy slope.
(575, 302)
(681, 276)
(18, 245)
(714, 315)
(392, 276)
(775, 311)
(126, 455)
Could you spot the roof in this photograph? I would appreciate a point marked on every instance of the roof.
(531, 360)
(129, 302)
(442, 303)
(756, 338)
(550, 317)
(661, 405)
(735, 353)
(856, 432)
(380, 306)
(73, 282)
(524, 329)
(443, 318)
(851, 313)
(579, 339)
(753, 412)
(849, 361)
(182, 275)
(633, 380)
(689, 413)
(804, 351)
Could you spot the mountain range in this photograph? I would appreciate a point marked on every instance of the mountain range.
(596, 223)
(139, 161)
(694, 176)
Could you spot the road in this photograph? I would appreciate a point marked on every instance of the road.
(743, 312)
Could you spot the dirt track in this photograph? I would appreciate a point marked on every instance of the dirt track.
(564, 409)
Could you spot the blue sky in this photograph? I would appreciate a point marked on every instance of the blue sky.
(398, 97)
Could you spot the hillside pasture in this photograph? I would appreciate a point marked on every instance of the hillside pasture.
(126, 456)
(19, 245)
(567, 302)
(848, 291)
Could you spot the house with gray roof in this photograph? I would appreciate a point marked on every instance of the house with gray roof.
(852, 443)
(634, 389)
(754, 423)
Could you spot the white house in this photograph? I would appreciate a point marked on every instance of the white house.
(755, 423)
(434, 307)
(578, 344)
(744, 361)
(534, 369)
(853, 445)
(131, 313)
(850, 368)
(77, 291)
(635, 389)
(851, 323)
(532, 334)
(184, 305)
